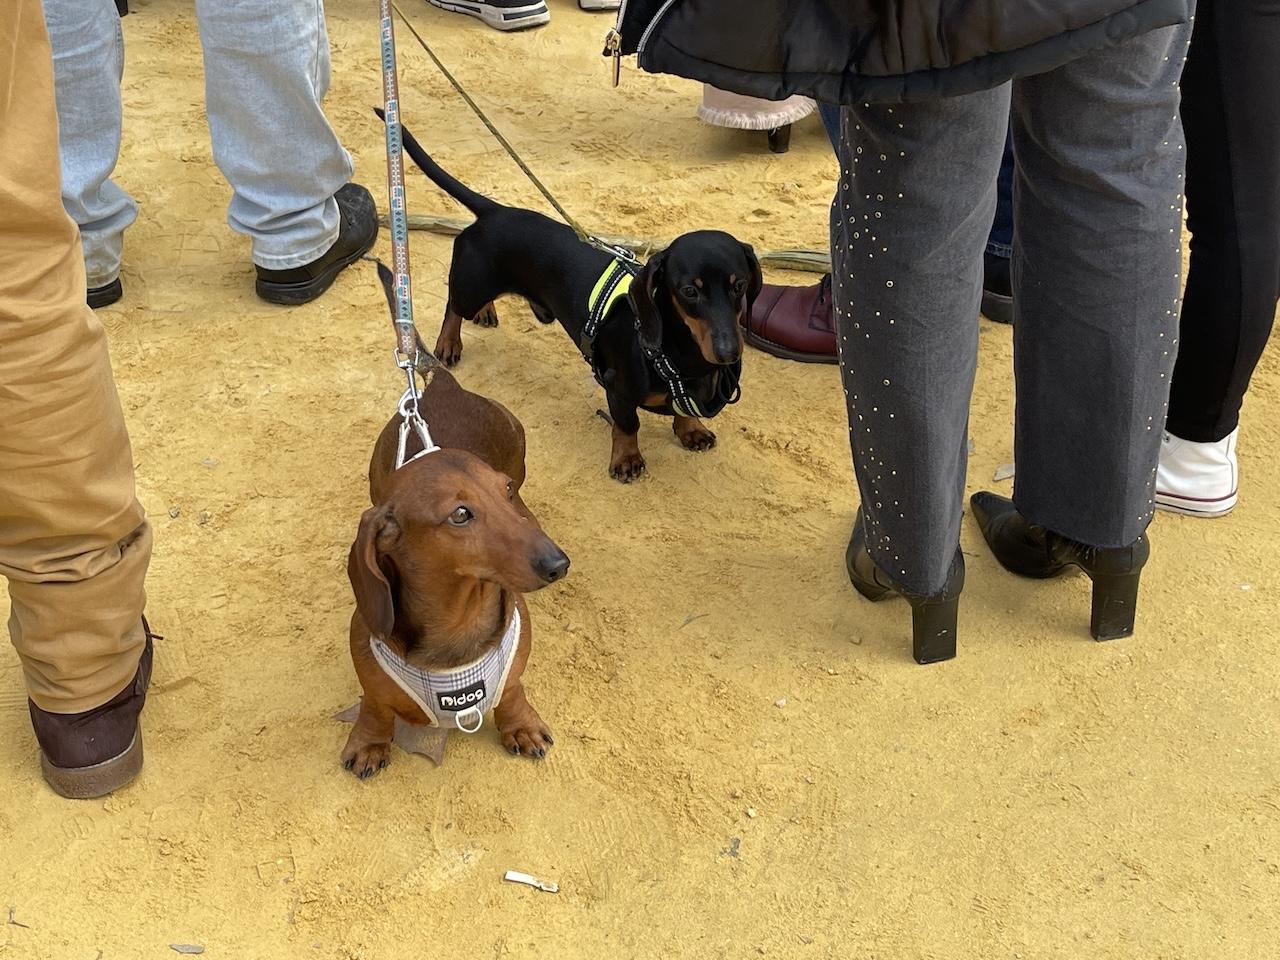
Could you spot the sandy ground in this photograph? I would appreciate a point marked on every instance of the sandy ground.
(1042, 796)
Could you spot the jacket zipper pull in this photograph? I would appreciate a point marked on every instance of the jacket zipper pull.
(613, 48)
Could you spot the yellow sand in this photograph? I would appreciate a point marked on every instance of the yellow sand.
(1040, 797)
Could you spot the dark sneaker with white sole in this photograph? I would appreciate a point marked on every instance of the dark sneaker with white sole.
(500, 14)
(90, 754)
(357, 230)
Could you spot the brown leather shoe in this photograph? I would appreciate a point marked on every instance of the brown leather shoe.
(795, 323)
(90, 754)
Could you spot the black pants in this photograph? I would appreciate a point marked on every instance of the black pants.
(1231, 114)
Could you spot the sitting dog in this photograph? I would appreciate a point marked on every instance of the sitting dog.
(441, 633)
(664, 338)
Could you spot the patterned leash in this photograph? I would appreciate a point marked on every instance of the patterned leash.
(406, 352)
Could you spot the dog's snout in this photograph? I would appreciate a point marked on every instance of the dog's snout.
(552, 564)
(727, 348)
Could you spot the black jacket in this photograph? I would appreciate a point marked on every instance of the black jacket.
(842, 51)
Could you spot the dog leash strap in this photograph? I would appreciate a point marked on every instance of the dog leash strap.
(406, 334)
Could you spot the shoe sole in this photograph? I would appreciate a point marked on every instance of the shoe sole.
(518, 18)
(296, 294)
(599, 5)
(104, 296)
(784, 353)
(1191, 507)
(996, 307)
(86, 783)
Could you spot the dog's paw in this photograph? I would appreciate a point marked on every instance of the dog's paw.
(487, 317)
(695, 437)
(530, 739)
(365, 760)
(449, 350)
(627, 467)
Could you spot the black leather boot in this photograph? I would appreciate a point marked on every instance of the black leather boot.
(1032, 551)
(357, 230)
(933, 617)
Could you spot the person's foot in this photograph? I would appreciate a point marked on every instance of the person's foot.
(794, 323)
(357, 230)
(599, 4)
(997, 288)
(90, 754)
(1028, 550)
(500, 14)
(104, 295)
(933, 617)
(1197, 479)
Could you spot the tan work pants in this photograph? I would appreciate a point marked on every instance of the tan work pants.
(74, 541)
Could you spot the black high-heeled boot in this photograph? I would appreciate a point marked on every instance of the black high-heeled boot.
(1032, 551)
(933, 617)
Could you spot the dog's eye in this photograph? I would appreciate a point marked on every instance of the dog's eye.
(689, 292)
(511, 491)
(461, 517)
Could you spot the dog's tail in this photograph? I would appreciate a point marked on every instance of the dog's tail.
(426, 359)
(455, 188)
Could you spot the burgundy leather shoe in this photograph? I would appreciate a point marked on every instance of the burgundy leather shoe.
(795, 323)
(90, 754)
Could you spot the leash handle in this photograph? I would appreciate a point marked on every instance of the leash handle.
(406, 334)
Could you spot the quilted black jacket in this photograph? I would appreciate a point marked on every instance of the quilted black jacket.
(841, 51)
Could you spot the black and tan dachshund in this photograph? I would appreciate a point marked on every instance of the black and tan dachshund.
(663, 338)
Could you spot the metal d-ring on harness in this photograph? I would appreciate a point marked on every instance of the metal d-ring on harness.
(406, 350)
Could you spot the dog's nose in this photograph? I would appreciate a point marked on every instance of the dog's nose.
(727, 349)
(552, 564)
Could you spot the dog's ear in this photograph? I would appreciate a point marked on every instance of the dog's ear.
(388, 286)
(643, 290)
(756, 283)
(370, 585)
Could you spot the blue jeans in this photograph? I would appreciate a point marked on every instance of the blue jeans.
(1000, 242)
(266, 67)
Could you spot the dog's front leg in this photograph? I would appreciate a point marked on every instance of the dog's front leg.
(449, 343)
(692, 433)
(368, 747)
(625, 463)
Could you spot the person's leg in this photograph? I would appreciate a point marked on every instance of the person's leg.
(74, 541)
(913, 210)
(88, 59)
(266, 68)
(1233, 212)
(1096, 271)
(997, 282)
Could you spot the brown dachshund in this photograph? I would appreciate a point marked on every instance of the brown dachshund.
(439, 565)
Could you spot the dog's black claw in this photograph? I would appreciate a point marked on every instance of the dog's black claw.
(541, 753)
(349, 764)
(366, 773)
(383, 764)
(547, 737)
(515, 751)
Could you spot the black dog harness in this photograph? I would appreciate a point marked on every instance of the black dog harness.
(701, 397)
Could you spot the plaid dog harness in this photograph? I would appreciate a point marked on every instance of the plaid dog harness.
(461, 696)
(704, 397)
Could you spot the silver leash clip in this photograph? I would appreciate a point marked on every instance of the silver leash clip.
(411, 422)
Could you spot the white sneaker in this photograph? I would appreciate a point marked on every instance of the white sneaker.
(599, 4)
(500, 14)
(1198, 479)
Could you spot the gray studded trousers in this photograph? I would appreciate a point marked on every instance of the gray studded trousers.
(1096, 281)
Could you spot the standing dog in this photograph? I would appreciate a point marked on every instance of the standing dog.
(665, 338)
(441, 633)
